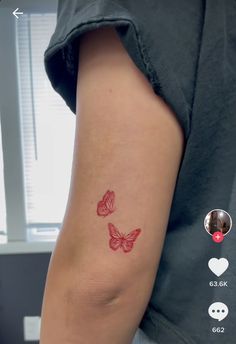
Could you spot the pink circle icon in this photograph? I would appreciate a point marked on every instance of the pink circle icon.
(218, 237)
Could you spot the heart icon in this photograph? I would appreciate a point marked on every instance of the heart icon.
(218, 266)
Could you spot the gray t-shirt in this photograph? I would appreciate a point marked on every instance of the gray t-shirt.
(187, 51)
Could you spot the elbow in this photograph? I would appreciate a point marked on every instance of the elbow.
(92, 298)
(94, 292)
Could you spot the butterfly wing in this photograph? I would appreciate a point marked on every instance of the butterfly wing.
(106, 205)
(109, 199)
(102, 209)
(116, 238)
(129, 239)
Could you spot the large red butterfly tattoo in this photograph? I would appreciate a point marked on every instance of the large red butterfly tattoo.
(124, 241)
(106, 205)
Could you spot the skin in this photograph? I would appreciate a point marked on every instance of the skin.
(127, 140)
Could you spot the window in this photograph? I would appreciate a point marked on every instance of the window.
(2, 197)
(47, 129)
(38, 146)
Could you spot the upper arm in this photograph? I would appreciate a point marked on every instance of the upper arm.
(128, 141)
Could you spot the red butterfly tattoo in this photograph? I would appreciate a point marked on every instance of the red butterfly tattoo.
(124, 241)
(106, 205)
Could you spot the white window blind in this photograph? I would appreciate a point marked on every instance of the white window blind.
(2, 197)
(47, 127)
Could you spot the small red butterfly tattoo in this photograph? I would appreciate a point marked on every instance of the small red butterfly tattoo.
(106, 205)
(124, 241)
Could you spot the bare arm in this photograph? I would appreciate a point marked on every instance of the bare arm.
(128, 147)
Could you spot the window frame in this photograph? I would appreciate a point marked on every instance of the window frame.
(11, 132)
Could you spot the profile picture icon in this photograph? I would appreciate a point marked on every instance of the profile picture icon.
(218, 220)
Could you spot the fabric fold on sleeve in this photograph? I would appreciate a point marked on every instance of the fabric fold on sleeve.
(147, 39)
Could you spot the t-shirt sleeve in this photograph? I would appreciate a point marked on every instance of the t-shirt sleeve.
(161, 36)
